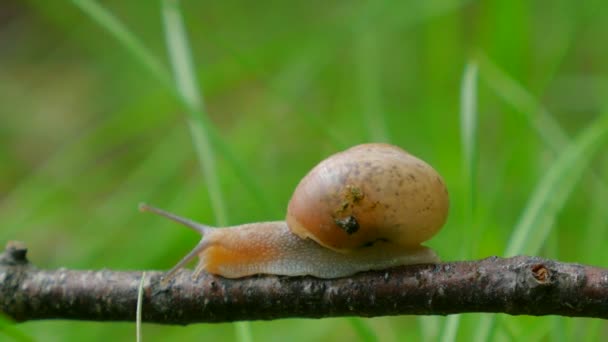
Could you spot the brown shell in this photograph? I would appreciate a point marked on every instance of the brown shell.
(369, 193)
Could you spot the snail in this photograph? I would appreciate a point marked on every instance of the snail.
(367, 208)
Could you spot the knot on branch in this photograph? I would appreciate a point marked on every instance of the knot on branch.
(15, 253)
(541, 273)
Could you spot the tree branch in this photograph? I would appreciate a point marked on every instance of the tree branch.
(519, 285)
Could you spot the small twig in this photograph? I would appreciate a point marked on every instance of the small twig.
(519, 285)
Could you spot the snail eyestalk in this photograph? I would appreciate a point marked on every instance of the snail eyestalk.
(193, 254)
(197, 227)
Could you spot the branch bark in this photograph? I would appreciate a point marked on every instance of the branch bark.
(518, 285)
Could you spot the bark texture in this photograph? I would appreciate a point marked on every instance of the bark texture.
(518, 286)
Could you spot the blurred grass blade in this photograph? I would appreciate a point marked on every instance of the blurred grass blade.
(468, 140)
(548, 129)
(515, 95)
(180, 55)
(206, 158)
(184, 71)
(144, 56)
(468, 134)
(553, 190)
(369, 85)
(243, 331)
(363, 330)
(140, 299)
(181, 60)
(450, 328)
(109, 22)
(485, 327)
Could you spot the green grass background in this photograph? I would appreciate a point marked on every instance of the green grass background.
(507, 100)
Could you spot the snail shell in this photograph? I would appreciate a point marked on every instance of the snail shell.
(369, 193)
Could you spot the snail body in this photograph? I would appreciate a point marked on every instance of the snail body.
(367, 208)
